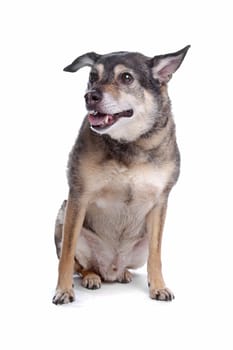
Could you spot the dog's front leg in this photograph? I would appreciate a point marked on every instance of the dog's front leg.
(155, 223)
(74, 217)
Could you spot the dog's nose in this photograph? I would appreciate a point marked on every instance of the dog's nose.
(92, 97)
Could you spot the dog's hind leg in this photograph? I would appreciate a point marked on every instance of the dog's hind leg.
(90, 279)
(58, 228)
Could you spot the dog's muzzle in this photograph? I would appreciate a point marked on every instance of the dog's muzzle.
(100, 120)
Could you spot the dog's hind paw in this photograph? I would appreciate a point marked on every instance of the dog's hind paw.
(91, 281)
(163, 294)
(126, 277)
(63, 296)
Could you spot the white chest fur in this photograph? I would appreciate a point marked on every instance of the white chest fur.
(136, 185)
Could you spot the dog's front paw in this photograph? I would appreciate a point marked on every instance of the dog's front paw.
(163, 294)
(63, 296)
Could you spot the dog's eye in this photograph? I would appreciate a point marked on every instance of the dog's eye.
(126, 78)
(93, 77)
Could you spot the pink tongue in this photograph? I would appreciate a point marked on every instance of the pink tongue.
(96, 120)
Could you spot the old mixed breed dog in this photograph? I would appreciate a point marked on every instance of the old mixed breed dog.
(123, 165)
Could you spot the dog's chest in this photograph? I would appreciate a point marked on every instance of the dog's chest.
(132, 187)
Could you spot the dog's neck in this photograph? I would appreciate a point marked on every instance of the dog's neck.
(143, 147)
(156, 135)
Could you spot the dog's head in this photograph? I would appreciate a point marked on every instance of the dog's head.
(127, 91)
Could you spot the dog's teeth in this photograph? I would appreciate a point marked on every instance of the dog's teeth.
(93, 112)
(106, 119)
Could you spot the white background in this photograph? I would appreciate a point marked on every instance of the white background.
(41, 111)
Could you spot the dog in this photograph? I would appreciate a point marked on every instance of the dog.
(121, 170)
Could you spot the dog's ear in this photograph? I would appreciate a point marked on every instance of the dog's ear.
(163, 66)
(89, 59)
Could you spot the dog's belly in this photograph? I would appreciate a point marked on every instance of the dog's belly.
(114, 235)
(112, 240)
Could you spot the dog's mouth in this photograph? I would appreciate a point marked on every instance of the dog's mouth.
(102, 121)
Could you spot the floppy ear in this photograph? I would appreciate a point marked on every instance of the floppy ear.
(163, 66)
(88, 59)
